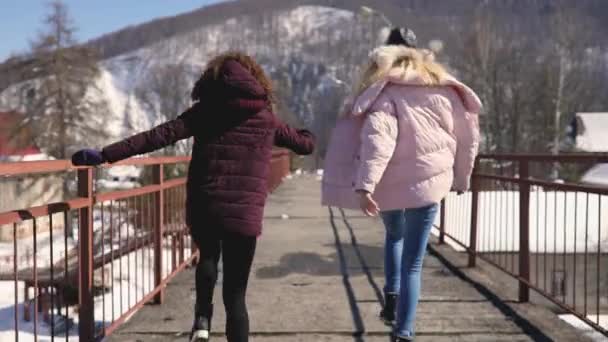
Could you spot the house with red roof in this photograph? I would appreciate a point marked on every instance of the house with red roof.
(17, 144)
(28, 191)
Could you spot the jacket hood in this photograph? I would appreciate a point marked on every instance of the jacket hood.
(235, 89)
(385, 57)
(239, 82)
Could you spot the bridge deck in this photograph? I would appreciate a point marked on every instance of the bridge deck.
(318, 278)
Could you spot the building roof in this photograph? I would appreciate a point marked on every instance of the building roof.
(20, 145)
(592, 132)
(597, 175)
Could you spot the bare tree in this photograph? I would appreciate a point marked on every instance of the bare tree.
(63, 107)
(165, 91)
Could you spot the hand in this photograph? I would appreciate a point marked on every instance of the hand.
(88, 157)
(367, 203)
(458, 192)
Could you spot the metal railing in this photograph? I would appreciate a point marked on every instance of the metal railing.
(552, 237)
(93, 260)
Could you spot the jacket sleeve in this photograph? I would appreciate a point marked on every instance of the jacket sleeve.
(466, 130)
(301, 141)
(378, 142)
(158, 137)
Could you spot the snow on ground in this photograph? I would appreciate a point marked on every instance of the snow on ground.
(25, 251)
(129, 279)
(585, 328)
(559, 221)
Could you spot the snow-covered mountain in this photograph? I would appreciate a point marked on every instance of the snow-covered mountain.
(311, 48)
(293, 45)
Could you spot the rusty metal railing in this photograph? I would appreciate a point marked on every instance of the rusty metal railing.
(552, 237)
(93, 260)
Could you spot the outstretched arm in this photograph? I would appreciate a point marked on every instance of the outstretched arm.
(158, 137)
(301, 141)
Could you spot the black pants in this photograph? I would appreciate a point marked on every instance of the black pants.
(237, 255)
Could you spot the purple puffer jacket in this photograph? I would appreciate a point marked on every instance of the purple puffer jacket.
(234, 133)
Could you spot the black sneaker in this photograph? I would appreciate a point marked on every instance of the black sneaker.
(387, 315)
(401, 339)
(201, 328)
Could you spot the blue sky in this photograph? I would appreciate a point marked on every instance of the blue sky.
(22, 19)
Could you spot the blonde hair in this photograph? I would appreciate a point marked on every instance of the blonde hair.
(408, 60)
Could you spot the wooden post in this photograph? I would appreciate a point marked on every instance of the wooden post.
(86, 324)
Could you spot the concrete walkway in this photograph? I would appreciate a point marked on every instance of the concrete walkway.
(318, 277)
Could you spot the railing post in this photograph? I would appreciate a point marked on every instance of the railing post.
(524, 232)
(442, 222)
(474, 209)
(182, 246)
(158, 177)
(86, 324)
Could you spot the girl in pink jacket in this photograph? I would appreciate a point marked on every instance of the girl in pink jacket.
(410, 136)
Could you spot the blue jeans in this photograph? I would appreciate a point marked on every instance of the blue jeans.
(407, 234)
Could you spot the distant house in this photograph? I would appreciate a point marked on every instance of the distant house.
(24, 192)
(590, 133)
(14, 145)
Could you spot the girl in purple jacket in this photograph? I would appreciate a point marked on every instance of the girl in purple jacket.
(235, 130)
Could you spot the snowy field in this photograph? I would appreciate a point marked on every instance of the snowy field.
(586, 329)
(560, 222)
(129, 279)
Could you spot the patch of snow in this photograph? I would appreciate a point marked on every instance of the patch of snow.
(130, 278)
(29, 157)
(585, 328)
(558, 222)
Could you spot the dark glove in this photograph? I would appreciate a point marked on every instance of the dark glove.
(88, 157)
(459, 192)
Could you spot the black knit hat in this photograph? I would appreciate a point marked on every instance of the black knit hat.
(402, 36)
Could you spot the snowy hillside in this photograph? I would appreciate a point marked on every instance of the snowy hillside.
(293, 45)
(295, 32)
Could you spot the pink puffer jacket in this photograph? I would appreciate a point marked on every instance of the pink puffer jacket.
(405, 142)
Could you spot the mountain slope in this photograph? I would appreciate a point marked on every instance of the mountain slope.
(311, 48)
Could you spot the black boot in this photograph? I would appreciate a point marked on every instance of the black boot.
(201, 328)
(387, 315)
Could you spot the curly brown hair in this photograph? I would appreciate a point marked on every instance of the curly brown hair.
(211, 73)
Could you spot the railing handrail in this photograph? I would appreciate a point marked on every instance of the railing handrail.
(508, 219)
(163, 210)
(594, 157)
(554, 186)
(47, 166)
